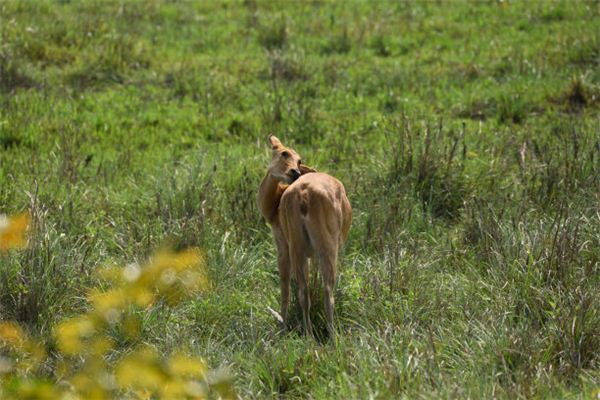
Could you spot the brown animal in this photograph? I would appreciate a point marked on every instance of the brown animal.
(310, 215)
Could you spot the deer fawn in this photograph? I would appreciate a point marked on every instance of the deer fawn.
(310, 215)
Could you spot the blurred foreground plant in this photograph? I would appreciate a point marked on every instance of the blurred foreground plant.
(13, 231)
(82, 365)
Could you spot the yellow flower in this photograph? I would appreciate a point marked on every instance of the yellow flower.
(144, 373)
(140, 295)
(89, 385)
(101, 346)
(71, 335)
(185, 366)
(11, 335)
(110, 305)
(37, 389)
(172, 276)
(34, 354)
(112, 275)
(13, 231)
(140, 369)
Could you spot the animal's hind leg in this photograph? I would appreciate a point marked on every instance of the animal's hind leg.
(300, 267)
(325, 236)
(313, 268)
(328, 259)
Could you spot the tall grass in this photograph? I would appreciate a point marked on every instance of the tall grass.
(466, 136)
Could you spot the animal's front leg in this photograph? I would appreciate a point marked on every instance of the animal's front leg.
(283, 263)
(284, 283)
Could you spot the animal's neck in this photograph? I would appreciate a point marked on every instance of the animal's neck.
(269, 195)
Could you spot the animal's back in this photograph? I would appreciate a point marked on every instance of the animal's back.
(316, 202)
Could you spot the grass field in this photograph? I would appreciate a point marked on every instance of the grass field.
(467, 135)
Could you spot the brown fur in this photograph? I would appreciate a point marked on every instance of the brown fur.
(309, 216)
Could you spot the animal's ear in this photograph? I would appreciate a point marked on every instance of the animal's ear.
(305, 169)
(274, 142)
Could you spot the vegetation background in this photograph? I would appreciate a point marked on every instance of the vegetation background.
(467, 135)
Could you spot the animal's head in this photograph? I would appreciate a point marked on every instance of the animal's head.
(286, 165)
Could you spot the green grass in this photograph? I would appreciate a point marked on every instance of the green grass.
(466, 134)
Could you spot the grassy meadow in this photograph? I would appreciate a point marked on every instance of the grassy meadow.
(467, 135)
